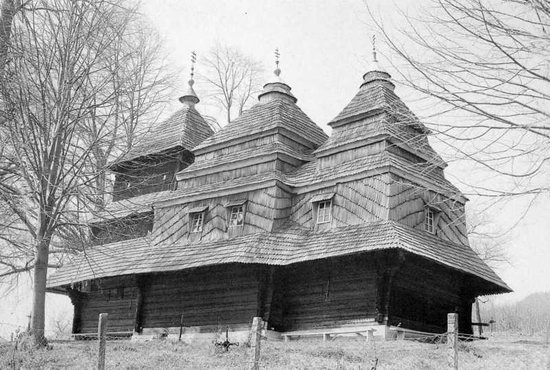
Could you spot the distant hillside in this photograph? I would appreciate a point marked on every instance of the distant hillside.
(530, 315)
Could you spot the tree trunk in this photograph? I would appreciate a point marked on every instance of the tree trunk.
(8, 10)
(101, 183)
(39, 290)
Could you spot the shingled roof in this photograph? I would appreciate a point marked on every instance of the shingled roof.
(276, 109)
(185, 128)
(291, 244)
(382, 125)
(277, 113)
(377, 93)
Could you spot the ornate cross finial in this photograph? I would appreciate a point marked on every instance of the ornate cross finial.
(374, 48)
(193, 61)
(277, 69)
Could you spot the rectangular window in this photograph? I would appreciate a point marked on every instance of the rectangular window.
(236, 217)
(197, 221)
(429, 221)
(324, 211)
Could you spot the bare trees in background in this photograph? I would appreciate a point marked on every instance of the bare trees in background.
(78, 75)
(487, 240)
(232, 77)
(529, 316)
(491, 244)
(486, 65)
(141, 86)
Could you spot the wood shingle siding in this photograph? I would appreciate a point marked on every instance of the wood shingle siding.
(408, 202)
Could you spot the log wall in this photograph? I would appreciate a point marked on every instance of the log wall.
(210, 296)
(422, 295)
(330, 293)
(326, 293)
(115, 296)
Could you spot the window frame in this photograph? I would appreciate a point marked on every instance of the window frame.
(434, 219)
(200, 216)
(231, 213)
(316, 201)
(327, 215)
(199, 212)
(229, 209)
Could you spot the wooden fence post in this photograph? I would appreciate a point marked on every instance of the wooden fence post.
(256, 341)
(101, 334)
(181, 328)
(452, 339)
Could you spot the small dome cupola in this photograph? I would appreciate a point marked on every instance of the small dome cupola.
(376, 74)
(190, 98)
(276, 88)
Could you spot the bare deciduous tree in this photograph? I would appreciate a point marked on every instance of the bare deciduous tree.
(490, 244)
(78, 75)
(233, 78)
(486, 65)
(487, 240)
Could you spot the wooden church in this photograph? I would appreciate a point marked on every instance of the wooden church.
(271, 217)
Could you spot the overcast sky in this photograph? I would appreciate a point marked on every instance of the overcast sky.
(325, 48)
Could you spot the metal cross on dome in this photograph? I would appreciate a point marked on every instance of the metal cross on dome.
(277, 55)
(374, 48)
(193, 61)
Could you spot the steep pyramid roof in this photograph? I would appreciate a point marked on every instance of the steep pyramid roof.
(185, 128)
(377, 94)
(376, 111)
(277, 113)
(276, 109)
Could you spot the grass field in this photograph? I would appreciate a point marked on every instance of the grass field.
(499, 352)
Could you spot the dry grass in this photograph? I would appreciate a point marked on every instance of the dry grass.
(500, 352)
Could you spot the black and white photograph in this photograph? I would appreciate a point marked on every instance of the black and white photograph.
(261, 184)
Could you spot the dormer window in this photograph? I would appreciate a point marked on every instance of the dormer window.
(236, 217)
(324, 211)
(236, 212)
(322, 208)
(430, 220)
(196, 219)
